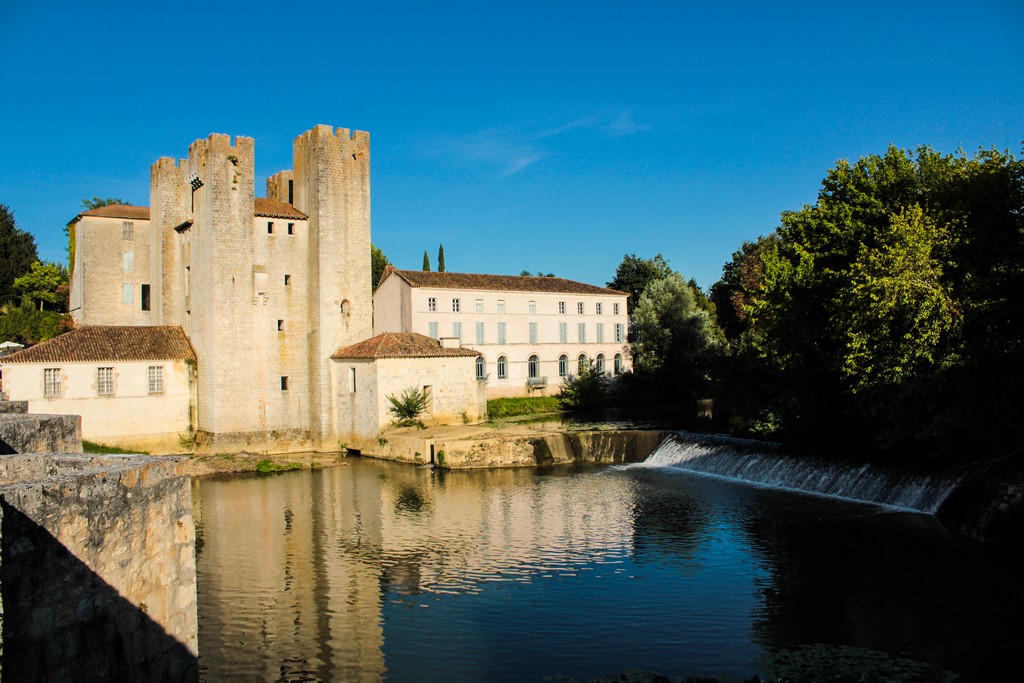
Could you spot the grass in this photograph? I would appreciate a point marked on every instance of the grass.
(511, 407)
(267, 466)
(98, 448)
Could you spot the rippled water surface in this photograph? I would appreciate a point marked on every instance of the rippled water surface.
(376, 571)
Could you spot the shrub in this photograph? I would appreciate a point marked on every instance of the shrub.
(588, 389)
(408, 407)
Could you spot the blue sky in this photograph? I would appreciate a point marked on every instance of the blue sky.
(551, 136)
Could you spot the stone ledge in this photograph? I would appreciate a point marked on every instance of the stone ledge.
(31, 433)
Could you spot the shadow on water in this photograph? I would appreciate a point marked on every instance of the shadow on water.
(63, 622)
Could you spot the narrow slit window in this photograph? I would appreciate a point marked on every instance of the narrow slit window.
(270, 227)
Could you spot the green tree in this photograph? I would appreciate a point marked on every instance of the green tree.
(426, 262)
(17, 254)
(45, 283)
(97, 202)
(634, 274)
(588, 389)
(676, 341)
(378, 262)
(440, 259)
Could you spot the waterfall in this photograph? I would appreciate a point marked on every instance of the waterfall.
(765, 463)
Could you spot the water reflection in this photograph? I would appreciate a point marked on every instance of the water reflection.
(384, 571)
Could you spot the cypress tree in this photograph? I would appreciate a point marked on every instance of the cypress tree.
(440, 259)
(426, 262)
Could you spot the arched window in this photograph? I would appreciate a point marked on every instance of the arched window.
(563, 365)
(502, 367)
(618, 364)
(582, 362)
(481, 368)
(534, 367)
(600, 363)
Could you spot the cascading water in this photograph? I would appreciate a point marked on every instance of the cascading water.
(764, 463)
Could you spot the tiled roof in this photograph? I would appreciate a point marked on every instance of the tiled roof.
(399, 345)
(109, 343)
(272, 208)
(499, 283)
(137, 213)
(262, 206)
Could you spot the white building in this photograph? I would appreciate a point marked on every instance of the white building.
(133, 386)
(531, 332)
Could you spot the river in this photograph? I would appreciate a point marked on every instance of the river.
(383, 571)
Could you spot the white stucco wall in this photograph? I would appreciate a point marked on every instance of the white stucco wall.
(414, 302)
(131, 417)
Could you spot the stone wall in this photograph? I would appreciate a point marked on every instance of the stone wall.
(98, 568)
(23, 433)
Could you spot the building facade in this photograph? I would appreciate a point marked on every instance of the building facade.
(531, 332)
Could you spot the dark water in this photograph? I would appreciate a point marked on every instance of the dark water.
(383, 571)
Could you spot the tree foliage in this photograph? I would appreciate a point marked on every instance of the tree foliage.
(408, 407)
(891, 310)
(378, 262)
(426, 262)
(440, 259)
(17, 254)
(97, 202)
(635, 273)
(45, 283)
(675, 337)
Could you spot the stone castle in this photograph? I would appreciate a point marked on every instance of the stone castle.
(269, 292)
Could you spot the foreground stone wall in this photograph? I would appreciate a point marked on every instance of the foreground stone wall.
(24, 433)
(98, 568)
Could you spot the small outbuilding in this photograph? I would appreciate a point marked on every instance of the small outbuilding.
(133, 386)
(365, 374)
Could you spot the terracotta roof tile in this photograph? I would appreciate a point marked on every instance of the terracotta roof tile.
(109, 343)
(272, 208)
(399, 345)
(138, 213)
(500, 283)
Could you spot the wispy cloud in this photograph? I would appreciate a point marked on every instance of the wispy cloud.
(512, 149)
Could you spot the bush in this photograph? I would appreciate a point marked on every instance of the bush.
(408, 407)
(588, 389)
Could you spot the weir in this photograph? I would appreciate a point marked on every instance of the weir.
(765, 463)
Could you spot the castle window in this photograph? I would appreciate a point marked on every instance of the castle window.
(284, 382)
(51, 383)
(620, 332)
(533, 367)
(457, 330)
(127, 293)
(287, 279)
(563, 365)
(432, 304)
(561, 308)
(144, 297)
(346, 307)
(481, 368)
(597, 309)
(128, 261)
(600, 363)
(104, 381)
(127, 231)
(618, 364)
(502, 367)
(579, 307)
(291, 228)
(615, 309)
(280, 326)
(351, 380)
(270, 227)
(456, 305)
(156, 379)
